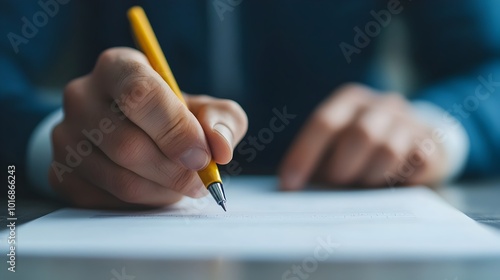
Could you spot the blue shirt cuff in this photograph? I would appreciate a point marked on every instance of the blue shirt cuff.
(456, 141)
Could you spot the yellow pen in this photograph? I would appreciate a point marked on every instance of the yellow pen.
(148, 43)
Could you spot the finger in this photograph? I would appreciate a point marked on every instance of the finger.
(77, 100)
(123, 183)
(66, 182)
(357, 144)
(148, 101)
(224, 122)
(80, 193)
(390, 155)
(130, 148)
(314, 139)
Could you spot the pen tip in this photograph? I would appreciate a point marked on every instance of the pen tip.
(217, 192)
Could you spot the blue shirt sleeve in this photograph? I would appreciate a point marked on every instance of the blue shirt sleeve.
(456, 48)
(22, 53)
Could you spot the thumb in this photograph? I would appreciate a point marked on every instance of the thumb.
(223, 121)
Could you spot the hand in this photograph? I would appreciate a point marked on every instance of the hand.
(127, 141)
(360, 137)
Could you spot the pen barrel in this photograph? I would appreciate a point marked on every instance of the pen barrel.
(210, 174)
(148, 43)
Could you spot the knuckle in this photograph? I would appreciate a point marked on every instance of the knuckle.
(137, 89)
(131, 68)
(323, 120)
(73, 98)
(173, 134)
(164, 170)
(73, 86)
(108, 56)
(117, 57)
(128, 151)
(352, 89)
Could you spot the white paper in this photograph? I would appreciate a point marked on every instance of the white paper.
(263, 223)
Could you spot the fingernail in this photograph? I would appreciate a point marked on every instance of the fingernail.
(223, 130)
(194, 159)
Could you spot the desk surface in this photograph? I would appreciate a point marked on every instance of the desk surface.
(478, 200)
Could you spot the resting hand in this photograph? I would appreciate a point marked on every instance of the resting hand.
(359, 137)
